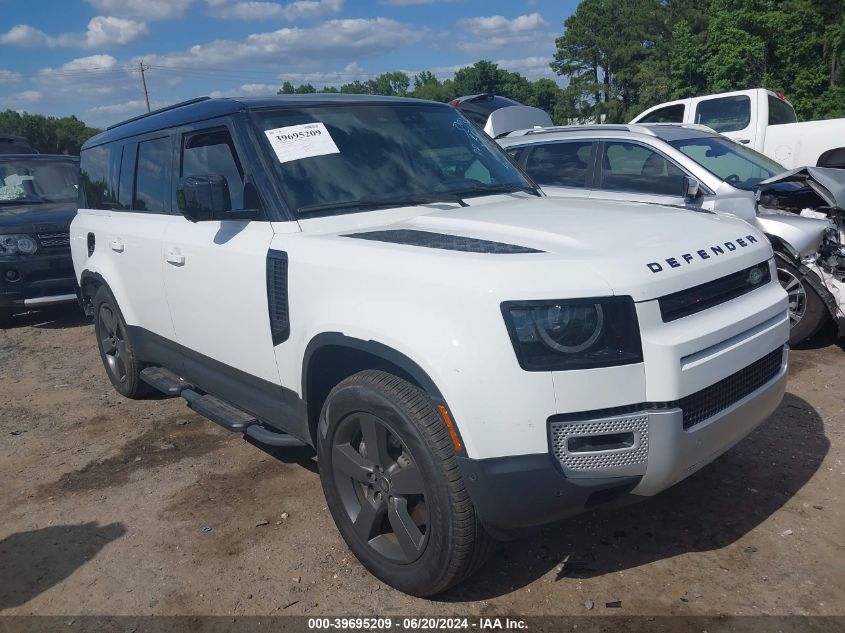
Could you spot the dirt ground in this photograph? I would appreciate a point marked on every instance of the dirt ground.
(112, 506)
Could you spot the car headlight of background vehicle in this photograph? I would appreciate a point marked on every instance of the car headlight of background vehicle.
(15, 244)
(574, 333)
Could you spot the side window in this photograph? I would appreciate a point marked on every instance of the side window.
(152, 176)
(99, 167)
(213, 152)
(560, 164)
(127, 175)
(726, 114)
(637, 169)
(669, 114)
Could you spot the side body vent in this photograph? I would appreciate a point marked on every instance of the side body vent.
(277, 295)
(426, 239)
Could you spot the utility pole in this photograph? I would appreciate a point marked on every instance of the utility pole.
(144, 84)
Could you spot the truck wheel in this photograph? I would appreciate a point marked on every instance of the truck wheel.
(807, 312)
(5, 318)
(122, 367)
(392, 484)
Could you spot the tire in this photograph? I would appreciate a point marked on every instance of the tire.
(443, 541)
(116, 352)
(5, 318)
(807, 312)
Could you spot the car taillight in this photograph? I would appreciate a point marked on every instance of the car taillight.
(454, 103)
(780, 96)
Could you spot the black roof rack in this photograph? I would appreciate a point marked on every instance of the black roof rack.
(160, 110)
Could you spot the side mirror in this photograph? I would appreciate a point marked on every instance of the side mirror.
(204, 198)
(692, 188)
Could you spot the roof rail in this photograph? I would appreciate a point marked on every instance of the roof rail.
(159, 111)
(572, 128)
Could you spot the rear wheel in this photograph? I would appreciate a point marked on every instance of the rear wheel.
(392, 483)
(807, 312)
(116, 352)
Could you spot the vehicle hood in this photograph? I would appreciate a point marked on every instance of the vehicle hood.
(36, 217)
(826, 182)
(642, 250)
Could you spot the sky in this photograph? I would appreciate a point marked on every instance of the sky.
(62, 57)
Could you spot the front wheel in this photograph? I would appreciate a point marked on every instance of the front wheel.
(807, 312)
(391, 480)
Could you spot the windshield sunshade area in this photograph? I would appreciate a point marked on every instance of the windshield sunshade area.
(25, 182)
(736, 164)
(358, 157)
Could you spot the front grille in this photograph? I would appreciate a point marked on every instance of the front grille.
(713, 293)
(561, 432)
(711, 400)
(51, 240)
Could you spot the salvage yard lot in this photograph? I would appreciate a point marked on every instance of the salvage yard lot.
(112, 506)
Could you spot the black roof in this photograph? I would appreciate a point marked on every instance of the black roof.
(203, 108)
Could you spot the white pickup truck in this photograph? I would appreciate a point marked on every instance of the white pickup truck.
(761, 119)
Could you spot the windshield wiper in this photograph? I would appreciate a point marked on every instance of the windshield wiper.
(367, 203)
(482, 190)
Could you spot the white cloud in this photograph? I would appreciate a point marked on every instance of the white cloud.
(135, 105)
(350, 73)
(301, 9)
(497, 31)
(27, 96)
(105, 31)
(146, 10)
(246, 90)
(101, 31)
(82, 64)
(409, 3)
(334, 39)
(7, 76)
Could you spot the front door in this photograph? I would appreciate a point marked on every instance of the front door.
(215, 272)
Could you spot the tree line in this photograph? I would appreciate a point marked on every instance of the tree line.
(47, 135)
(616, 58)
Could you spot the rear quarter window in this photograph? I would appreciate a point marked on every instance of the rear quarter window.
(98, 176)
(669, 114)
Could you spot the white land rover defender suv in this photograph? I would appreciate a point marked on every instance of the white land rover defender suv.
(375, 278)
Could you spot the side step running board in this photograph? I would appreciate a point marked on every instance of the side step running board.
(164, 380)
(219, 411)
(272, 438)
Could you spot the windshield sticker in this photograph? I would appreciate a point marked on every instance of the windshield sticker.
(296, 142)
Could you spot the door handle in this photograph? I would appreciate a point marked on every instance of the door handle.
(116, 245)
(744, 141)
(175, 257)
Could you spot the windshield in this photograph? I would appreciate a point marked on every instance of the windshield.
(24, 182)
(736, 164)
(355, 157)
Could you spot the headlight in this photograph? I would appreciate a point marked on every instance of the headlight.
(574, 334)
(14, 244)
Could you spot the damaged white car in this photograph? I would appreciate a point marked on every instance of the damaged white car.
(693, 167)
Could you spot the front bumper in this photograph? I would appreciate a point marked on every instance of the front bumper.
(37, 280)
(514, 494)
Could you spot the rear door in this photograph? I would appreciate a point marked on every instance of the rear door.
(215, 272)
(128, 182)
(561, 168)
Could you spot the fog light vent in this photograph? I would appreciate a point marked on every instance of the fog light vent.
(601, 445)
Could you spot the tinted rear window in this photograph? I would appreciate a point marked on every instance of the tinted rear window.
(726, 114)
(152, 180)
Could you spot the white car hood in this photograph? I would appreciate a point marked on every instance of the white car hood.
(642, 250)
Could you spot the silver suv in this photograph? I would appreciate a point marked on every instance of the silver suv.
(693, 167)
